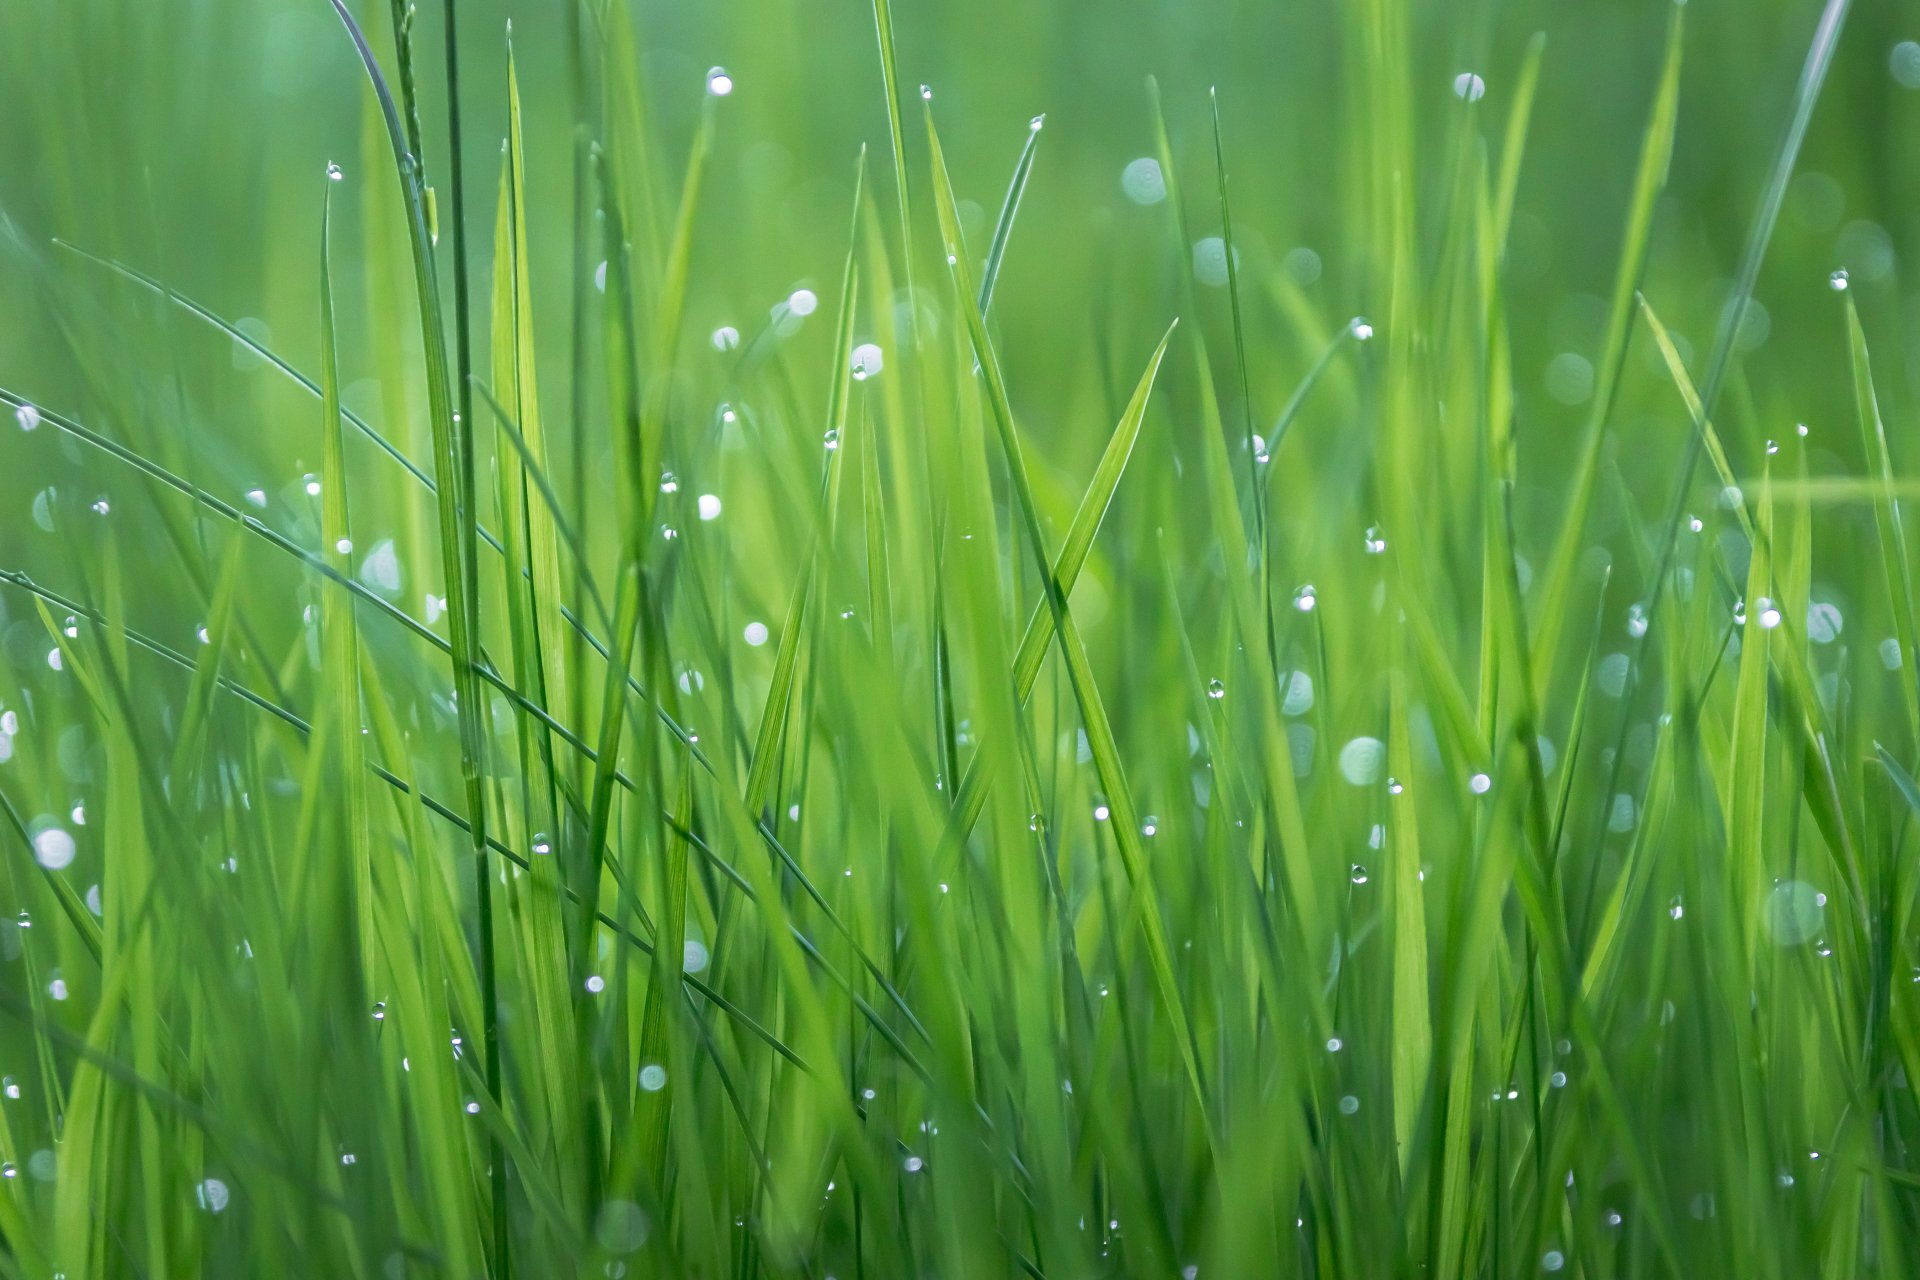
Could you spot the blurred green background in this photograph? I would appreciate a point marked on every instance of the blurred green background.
(187, 140)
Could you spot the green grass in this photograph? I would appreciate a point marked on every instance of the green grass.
(1004, 640)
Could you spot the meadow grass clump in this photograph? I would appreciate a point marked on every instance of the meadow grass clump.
(1226, 641)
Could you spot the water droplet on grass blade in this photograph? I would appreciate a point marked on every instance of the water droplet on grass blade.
(334, 172)
(1210, 260)
(1360, 760)
(719, 83)
(211, 1193)
(1795, 911)
(1142, 182)
(620, 1227)
(53, 848)
(1469, 87)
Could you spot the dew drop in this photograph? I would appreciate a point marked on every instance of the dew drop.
(719, 83)
(1216, 690)
(1469, 87)
(53, 848)
(1304, 598)
(334, 173)
(1142, 181)
(1360, 760)
(1838, 281)
(1824, 622)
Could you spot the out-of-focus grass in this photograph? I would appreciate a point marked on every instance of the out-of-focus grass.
(976, 640)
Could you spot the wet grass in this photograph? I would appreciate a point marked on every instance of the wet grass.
(1174, 702)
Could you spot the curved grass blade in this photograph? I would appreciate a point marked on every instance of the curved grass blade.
(1887, 519)
(1106, 751)
(773, 719)
(1072, 558)
(1009, 207)
(1650, 179)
